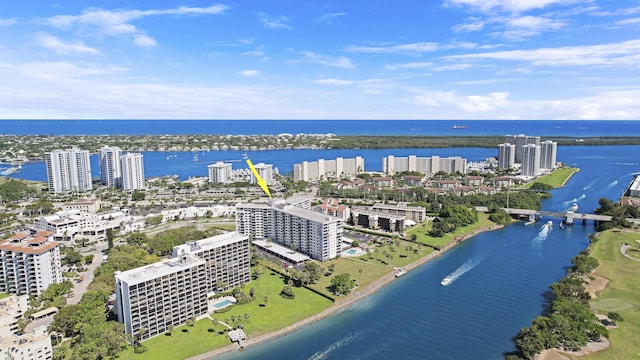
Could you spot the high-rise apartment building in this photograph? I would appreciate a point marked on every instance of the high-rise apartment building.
(328, 169)
(548, 153)
(170, 292)
(506, 156)
(132, 165)
(110, 166)
(68, 170)
(530, 160)
(265, 171)
(29, 264)
(292, 223)
(519, 141)
(220, 172)
(426, 165)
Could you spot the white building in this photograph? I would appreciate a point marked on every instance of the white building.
(292, 222)
(548, 151)
(426, 165)
(506, 156)
(172, 291)
(521, 140)
(12, 309)
(328, 169)
(220, 172)
(71, 224)
(132, 165)
(530, 160)
(265, 171)
(32, 346)
(90, 206)
(110, 166)
(29, 264)
(68, 170)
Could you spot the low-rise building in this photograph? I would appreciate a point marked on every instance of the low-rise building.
(90, 206)
(12, 309)
(414, 213)
(331, 206)
(32, 346)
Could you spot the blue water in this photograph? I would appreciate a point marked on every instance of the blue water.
(340, 127)
(222, 304)
(476, 316)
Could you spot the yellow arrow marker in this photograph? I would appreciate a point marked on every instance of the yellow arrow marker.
(261, 181)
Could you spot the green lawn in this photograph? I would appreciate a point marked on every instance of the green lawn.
(201, 338)
(622, 294)
(4, 295)
(422, 232)
(556, 178)
(371, 270)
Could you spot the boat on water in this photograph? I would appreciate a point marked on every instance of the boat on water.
(459, 127)
(573, 208)
(446, 281)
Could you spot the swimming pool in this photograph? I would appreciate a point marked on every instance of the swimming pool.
(351, 251)
(222, 304)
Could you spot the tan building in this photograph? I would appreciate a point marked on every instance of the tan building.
(29, 263)
(11, 310)
(90, 206)
(32, 346)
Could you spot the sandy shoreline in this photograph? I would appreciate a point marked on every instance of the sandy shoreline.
(344, 302)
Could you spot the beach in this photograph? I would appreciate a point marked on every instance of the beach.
(345, 302)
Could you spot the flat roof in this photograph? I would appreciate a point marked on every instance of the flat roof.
(212, 242)
(378, 214)
(286, 253)
(156, 270)
(309, 214)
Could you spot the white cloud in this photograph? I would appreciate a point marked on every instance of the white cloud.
(275, 23)
(328, 18)
(60, 47)
(144, 40)
(411, 65)
(337, 82)
(249, 73)
(117, 22)
(339, 61)
(472, 25)
(7, 22)
(614, 54)
(413, 48)
(514, 6)
(468, 103)
(631, 21)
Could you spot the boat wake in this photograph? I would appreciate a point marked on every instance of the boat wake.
(544, 232)
(468, 265)
(324, 353)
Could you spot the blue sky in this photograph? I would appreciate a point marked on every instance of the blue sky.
(375, 59)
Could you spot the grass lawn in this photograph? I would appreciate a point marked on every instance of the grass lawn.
(4, 295)
(622, 294)
(277, 314)
(371, 270)
(422, 231)
(556, 178)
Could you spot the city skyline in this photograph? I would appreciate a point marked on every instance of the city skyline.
(449, 59)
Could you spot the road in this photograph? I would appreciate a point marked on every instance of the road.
(80, 288)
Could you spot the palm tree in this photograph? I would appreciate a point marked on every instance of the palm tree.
(360, 271)
(266, 300)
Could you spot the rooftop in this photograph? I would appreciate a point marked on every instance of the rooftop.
(294, 257)
(152, 271)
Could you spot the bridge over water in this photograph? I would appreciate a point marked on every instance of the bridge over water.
(569, 217)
